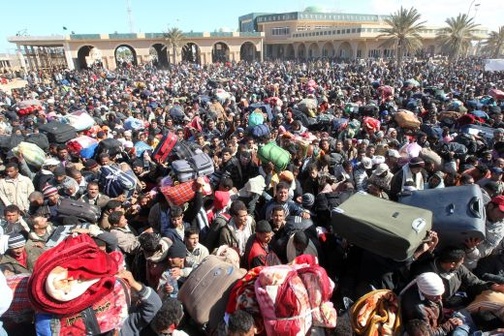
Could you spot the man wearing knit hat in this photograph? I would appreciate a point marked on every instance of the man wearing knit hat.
(52, 198)
(422, 299)
(17, 259)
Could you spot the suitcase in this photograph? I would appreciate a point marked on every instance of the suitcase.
(198, 165)
(58, 132)
(486, 132)
(164, 147)
(83, 211)
(111, 146)
(215, 276)
(271, 152)
(458, 212)
(386, 228)
(183, 150)
(203, 164)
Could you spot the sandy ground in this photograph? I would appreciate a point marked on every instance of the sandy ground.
(14, 84)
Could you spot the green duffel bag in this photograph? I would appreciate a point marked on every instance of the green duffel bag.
(271, 152)
(386, 228)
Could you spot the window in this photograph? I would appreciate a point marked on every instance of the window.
(353, 30)
(280, 31)
(348, 31)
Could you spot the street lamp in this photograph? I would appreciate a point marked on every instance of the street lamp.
(470, 6)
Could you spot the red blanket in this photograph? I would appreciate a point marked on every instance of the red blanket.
(84, 261)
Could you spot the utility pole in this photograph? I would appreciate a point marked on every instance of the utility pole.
(130, 17)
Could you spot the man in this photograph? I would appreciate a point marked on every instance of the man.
(15, 188)
(280, 238)
(411, 172)
(196, 252)
(230, 167)
(60, 180)
(495, 176)
(111, 206)
(449, 266)
(176, 273)
(178, 226)
(257, 248)
(12, 221)
(51, 198)
(168, 317)
(17, 258)
(238, 229)
(282, 198)
(422, 300)
(241, 323)
(126, 239)
(94, 196)
(40, 232)
(494, 233)
(45, 174)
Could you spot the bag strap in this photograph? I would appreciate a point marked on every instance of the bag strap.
(90, 321)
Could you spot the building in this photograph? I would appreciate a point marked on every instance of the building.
(316, 33)
(306, 34)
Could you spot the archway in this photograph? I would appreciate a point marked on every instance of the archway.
(345, 50)
(302, 51)
(362, 50)
(328, 50)
(313, 50)
(248, 52)
(191, 53)
(159, 55)
(289, 52)
(124, 55)
(82, 53)
(220, 52)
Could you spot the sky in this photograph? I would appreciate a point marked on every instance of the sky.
(45, 18)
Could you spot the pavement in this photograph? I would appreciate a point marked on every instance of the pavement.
(14, 84)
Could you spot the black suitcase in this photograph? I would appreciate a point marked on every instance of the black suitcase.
(111, 146)
(485, 132)
(389, 229)
(458, 212)
(58, 132)
(83, 211)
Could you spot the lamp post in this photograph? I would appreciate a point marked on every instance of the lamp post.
(470, 6)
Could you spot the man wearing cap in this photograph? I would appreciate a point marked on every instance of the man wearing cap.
(17, 259)
(45, 174)
(422, 300)
(176, 273)
(495, 176)
(382, 177)
(494, 233)
(392, 160)
(361, 174)
(51, 198)
(15, 188)
(411, 172)
(257, 247)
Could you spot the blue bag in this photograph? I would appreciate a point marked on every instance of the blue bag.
(116, 182)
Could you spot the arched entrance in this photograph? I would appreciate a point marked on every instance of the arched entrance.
(313, 50)
(191, 53)
(302, 51)
(82, 53)
(328, 50)
(124, 55)
(159, 55)
(362, 50)
(289, 52)
(248, 52)
(220, 52)
(345, 50)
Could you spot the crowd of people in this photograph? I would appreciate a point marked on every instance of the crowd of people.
(338, 123)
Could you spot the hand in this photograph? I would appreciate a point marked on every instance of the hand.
(176, 272)
(471, 243)
(80, 230)
(434, 240)
(200, 181)
(455, 321)
(305, 215)
(168, 288)
(126, 275)
(497, 288)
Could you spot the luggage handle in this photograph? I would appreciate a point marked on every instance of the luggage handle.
(475, 207)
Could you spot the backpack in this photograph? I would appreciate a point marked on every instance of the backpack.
(115, 182)
(255, 118)
(211, 237)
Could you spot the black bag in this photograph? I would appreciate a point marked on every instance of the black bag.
(58, 132)
(39, 139)
(83, 211)
(111, 146)
(9, 142)
(183, 150)
(458, 212)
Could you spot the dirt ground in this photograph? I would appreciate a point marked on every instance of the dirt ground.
(14, 84)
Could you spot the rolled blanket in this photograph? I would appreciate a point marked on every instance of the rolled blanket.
(82, 261)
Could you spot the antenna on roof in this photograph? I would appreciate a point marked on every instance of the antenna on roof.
(130, 16)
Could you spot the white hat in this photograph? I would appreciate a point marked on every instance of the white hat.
(393, 153)
(430, 283)
(367, 163)
(50, 162)
(382, 168)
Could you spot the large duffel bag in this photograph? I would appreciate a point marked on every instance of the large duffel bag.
(407, 119)
(271, 152)
(38, 139)
(111, 146)
(164, 147)
(33, 154)
(215, 276)
(80, 120)
(386, 228)
(83, 211)
(458, 212)
(115, 182)
(260, 131)
(58, 132)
